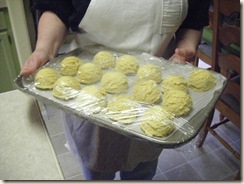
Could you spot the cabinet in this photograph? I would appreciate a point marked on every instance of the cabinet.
(9, 63)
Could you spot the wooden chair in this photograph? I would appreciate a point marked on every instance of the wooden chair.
(226, 62)
(229, 102)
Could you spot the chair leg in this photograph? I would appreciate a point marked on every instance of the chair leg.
(220, 123)
(196, 61)
(224, 143)
(204, 131)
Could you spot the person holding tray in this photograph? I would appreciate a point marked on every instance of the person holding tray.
(165, 28)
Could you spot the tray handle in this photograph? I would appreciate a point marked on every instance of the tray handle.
(19, 83)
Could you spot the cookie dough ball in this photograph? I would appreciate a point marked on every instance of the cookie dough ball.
(127, 64)
(201, 80)
(114, 82)
(147, 92)
(70, 65)
(104, 59)
(91, 99)
(177, 102)
(45, 78)
(149, 72)
(122, 109)
(157, 122)
(66, 87)
(174, 82)
(89, 73)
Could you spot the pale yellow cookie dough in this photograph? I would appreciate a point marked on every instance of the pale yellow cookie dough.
(127, 64)
(174, 82)
(157, 122)
(122, 109)
(66, 87)
(156, 113)
(149, 72)
(91, 99)
(104, 59)
(89, 73)
(177, 102)
(147, 92)
(114, 82)
(201, 80)
(158, 129)
(45, 78)
(70, 65)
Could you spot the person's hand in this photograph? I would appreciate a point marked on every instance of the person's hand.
(36, 60)
(182, 55)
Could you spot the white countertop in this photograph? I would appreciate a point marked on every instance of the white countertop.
(26, 152)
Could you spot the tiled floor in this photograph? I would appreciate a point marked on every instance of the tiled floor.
(212, 162)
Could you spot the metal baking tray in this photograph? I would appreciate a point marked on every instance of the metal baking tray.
(203, 102)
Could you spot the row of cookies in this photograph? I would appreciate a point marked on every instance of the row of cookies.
(92, 72)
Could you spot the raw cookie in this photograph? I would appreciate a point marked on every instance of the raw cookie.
(122, 109)
(201, 80)
(91, 99)
(70, 65)
(174, 82)
(104, 59)
(177, 102)
(149, 72)
(89, 73)
(127, 64)
(66, 87)
(114, 82)
(157, 122)
(147, 92)
(45, 78)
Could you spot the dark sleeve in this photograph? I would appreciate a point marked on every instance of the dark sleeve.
(197, 16)
(80, 7)
(62, 8)
(70, 12)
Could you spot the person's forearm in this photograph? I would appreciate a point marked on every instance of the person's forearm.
(187, 41)
(188, 38)
(51, 34)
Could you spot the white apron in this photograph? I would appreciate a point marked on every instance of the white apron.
(114, 24)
